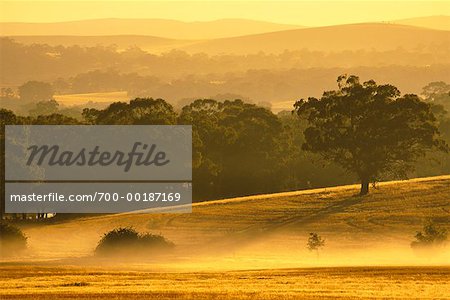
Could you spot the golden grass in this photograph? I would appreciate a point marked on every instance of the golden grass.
(271, 230)
(318, 283)
(81, 99)
(250, 248)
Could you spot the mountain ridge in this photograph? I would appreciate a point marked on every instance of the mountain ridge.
(377, 36)
(165, 28)
(369, 36)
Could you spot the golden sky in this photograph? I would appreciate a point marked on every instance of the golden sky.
(308, 13)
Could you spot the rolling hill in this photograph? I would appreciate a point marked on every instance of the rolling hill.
(145, 42)
(331, 38)
(264, 229)
(432, 22)
(153, 27)
(376, 36)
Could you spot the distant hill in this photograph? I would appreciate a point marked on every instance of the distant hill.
(330, 38)
(145, 42)
(433, 22)
(153, 27)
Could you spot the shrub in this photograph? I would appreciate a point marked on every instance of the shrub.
(431, 236)
(12, 240)
(126, 240)
(155, 241)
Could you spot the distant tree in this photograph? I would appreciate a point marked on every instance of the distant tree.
(438, 93)
(35, 91)
(60, 86)
(140, 111)
(315, 242)
(433, 89)
(54, 119)
(431, 236)
(369, 129)
(7, 117)
(47, 107)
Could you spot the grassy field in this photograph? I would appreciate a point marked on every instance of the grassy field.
(82, 99)
(316, 283)
(267, 227)
(250, 248)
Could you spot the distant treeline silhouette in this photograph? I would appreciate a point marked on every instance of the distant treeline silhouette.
(177, 75)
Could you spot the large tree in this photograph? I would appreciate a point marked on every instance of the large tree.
(369, 129)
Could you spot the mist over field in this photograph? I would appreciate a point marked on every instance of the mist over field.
(267, 231)
(253, 246)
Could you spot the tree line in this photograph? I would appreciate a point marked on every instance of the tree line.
(20, 62)
(360, 132)
(177, 75)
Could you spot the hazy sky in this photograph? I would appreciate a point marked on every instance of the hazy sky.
(309, 13)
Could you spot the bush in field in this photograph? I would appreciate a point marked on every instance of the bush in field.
(126, 240)
(12, 240)
(431, 236)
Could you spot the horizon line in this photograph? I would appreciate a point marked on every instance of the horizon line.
(218, 20)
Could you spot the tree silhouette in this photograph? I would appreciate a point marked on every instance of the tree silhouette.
(234, 146)
(47, 107)
(140, 111)
(34, 91)
(430, 236)
(315, 242)
(369, 129)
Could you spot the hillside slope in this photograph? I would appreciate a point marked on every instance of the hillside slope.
(352, 37)
(330, 38)
(432, 22)
(390, 214)
(155, 27)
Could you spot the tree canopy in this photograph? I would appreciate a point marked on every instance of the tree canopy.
(369, 129)
(139, 111)
(36, 91)
(235, 146)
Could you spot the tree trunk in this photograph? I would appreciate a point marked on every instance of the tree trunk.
(364, 187)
